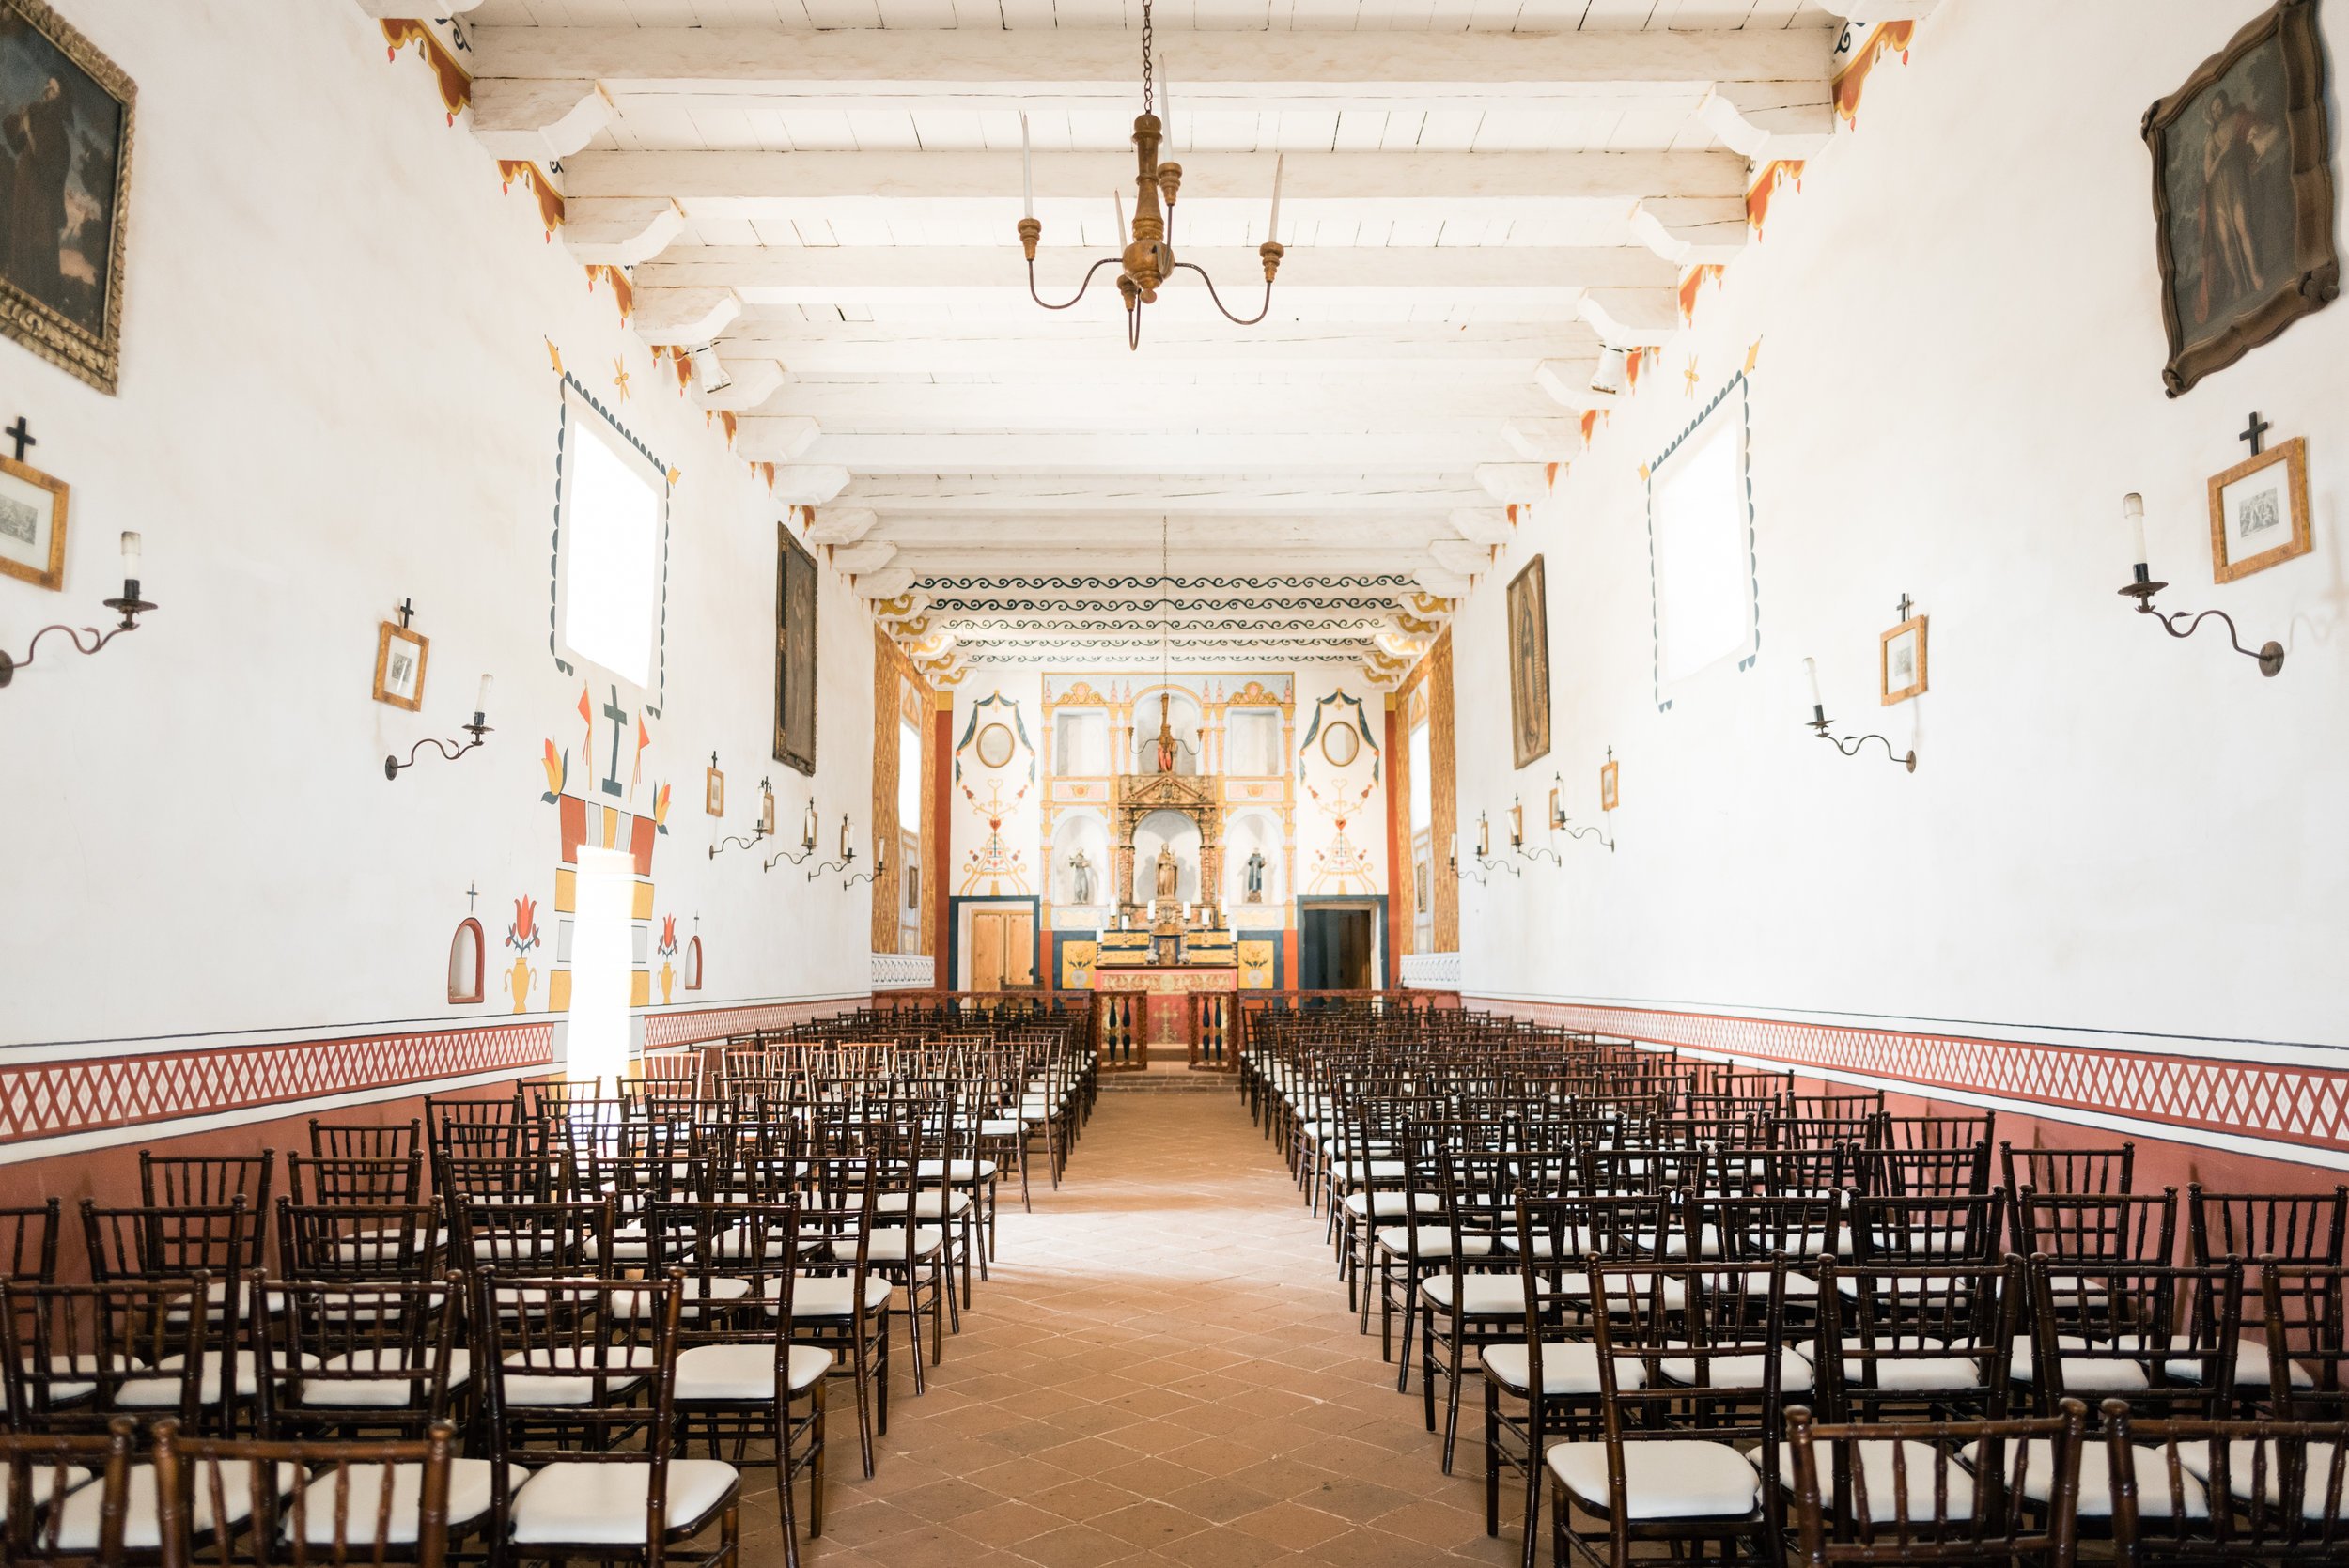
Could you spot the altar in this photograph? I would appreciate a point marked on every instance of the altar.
(1155, 1010)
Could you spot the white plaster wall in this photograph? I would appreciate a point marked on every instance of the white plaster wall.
(1366, 823)
(336, 393)
(1959, 377)
(1023, 818)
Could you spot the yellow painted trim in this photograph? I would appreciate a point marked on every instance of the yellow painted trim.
(643, 900)
(640, 989)
(559, 991)
(565, 891)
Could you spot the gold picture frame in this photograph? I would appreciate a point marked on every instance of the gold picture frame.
(66, 306)
(1529, 663)
(996, 747)
(23, 513)
(1341, 743)
(1609, 787)
(1901, 661)
(713, 792)
(2259, 518)
(400, 653)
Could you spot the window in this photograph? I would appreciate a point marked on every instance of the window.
(610, 549)
(602, 966)
(1253, 742)
(464, 963)
(1700, 529)
(1422, 769)
(909, 778)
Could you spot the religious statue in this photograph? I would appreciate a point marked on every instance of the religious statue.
(1168, 870)
(1255, 877)
(1080, 873)
(1166, 746)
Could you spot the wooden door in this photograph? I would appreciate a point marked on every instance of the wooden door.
(1002, 950)
(987, 950)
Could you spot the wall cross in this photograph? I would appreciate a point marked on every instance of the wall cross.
(21, 434)
(2255, 432)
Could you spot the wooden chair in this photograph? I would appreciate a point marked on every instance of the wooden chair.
(839, 1301)
(2263, 1491)
(37, 1469)
(28, 1243)
(367, 1139)
(78, 1356)
(227, 1504)
(1947, 1493)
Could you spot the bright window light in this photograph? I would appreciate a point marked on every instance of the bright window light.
(602, 962)
(1704, 558)
(610, 552)
(909, 778)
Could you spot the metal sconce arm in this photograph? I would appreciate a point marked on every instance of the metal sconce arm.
(2270, 656)
(393, 766)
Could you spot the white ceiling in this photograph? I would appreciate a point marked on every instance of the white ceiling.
(829, 190)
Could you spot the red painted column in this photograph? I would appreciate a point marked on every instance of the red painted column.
(1398, 869)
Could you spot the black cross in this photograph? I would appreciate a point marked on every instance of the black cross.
(21, 435)
(1905, 607)
(618, 716)
(2255, 432)
(471, 892)
(407, 608)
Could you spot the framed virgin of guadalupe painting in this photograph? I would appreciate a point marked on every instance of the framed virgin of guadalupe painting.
(2243, 195)
(65, 169)
(1529, 663)
(795, 653)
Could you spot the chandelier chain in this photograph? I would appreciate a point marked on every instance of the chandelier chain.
(1145, 57)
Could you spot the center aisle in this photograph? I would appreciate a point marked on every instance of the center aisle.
(1162, 1371)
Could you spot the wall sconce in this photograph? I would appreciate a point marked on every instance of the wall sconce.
(130, 607)
(1819, 722)
(1485, 856)
(480, 727)
(1517, 829)
(880, 864)
(807, 841)
(760, 830)
(2270, 656)
(1558, 815)
(847, 852)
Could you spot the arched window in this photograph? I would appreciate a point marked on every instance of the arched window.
(465, 963)
(693, 965)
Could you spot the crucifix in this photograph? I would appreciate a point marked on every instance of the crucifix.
(20, 434)
(471, 892)
(2255, 432)
(1905, 606)
(407, 610)
(619, 715)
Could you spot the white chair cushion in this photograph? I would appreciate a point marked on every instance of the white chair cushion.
(827, 1295)
(962, 1169)
(929, 1203)
(723, 1290)
(1733, 1371)
(1388, 1205)
(2081, 1376)
(887, 1244)
(1910, 1375)
(1885, 1492)
(735, 1373)
(1434, 1242)
(2195, 1459)
(154, 1393)
(523, 1389)
(1568, 1367)
(1481, 1295)
(142, 1529)
(2250, 1368)
(2152, 1483)
(604, 1505)
(44, 1482)
(1670, 1477)
(1001, 1126)
(468, 1497)
(370, 1393)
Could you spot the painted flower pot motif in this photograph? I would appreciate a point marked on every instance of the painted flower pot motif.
(522, 937)
(517, 983)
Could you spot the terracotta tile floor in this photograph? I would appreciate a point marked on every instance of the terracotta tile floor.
(1162, 1371)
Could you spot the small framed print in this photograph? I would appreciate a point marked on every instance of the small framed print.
(2259, 512)
(713, 792)
(1901, 661)
(765, 809)
(399, 656)
(1607, 785)
(32, 525)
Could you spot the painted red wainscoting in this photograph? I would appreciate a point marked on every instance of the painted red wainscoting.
(2288, 1105)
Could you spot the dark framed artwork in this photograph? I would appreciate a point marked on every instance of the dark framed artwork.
(2243, 195)
(795, 653)
(66, 114)
(1529, 663)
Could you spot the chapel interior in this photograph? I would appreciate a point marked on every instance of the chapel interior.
(805, 782)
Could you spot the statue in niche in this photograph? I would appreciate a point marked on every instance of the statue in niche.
(1168, 870)
(1255, 877)
(1080, 873)
(1166, 746)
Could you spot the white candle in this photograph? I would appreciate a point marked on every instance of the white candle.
(847, 850)
(129, 555)
(807, 828)
(1026, 170)
(1811, 673)
(1117, 201)
(2133, 508)
(1455, 849)
(481, 699)
(1272, 229)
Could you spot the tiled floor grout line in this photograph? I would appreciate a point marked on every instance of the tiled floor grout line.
(1162, 1371)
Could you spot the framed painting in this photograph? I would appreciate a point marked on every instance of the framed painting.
(2243, 195)
(1901, 662)
(32, 525)
(66, 114)
(713, 790)
(1609, 785)
(2259, 512)
(1529, 663)
(399, 657)
(795, 653)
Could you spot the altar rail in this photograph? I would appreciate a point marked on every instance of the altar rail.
(1234, 1041)
(1086, 1004)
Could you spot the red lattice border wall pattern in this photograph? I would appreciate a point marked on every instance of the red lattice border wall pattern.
(2305, 1107)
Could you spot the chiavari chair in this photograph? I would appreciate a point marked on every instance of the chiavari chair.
(367, 1140)
(1947, 1493)
(37, 1469)
(28, 1242)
